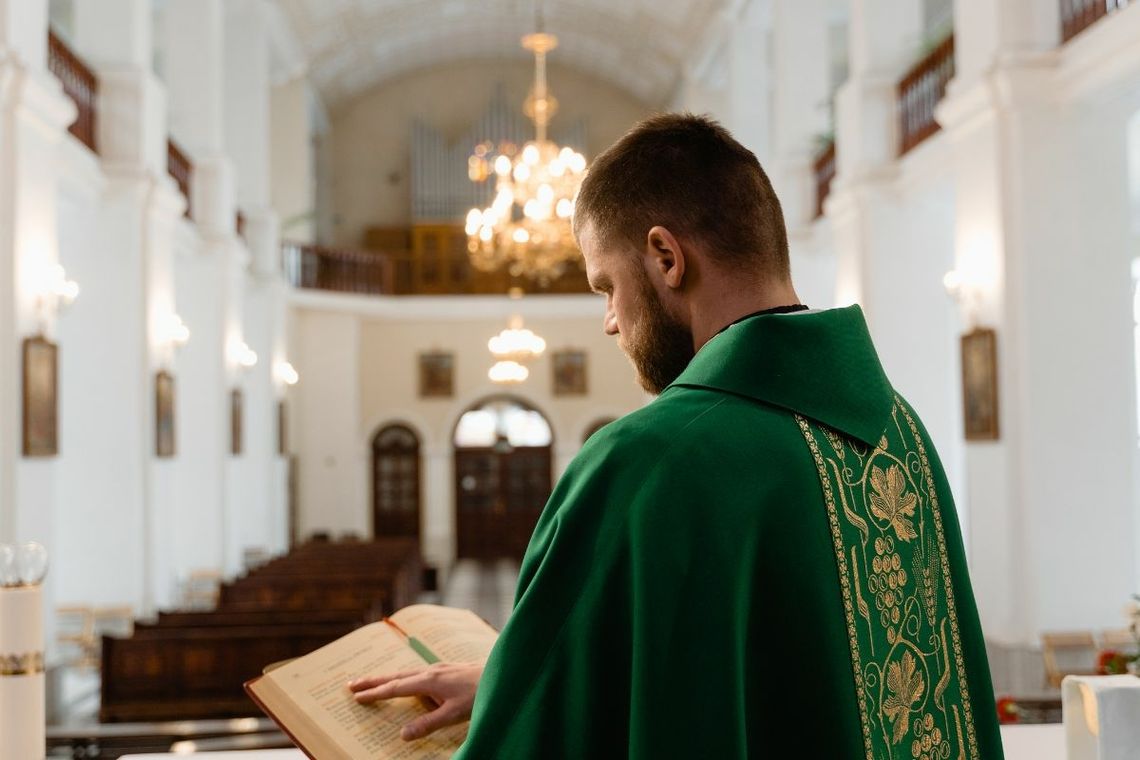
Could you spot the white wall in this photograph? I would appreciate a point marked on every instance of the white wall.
(358, 363)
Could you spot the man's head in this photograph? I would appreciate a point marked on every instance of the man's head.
(679, 227)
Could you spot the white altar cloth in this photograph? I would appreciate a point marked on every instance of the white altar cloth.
(1044, 742)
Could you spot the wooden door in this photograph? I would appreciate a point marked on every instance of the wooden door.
(396, 483)
(500, 493)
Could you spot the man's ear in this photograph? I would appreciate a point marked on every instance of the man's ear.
(665, 256)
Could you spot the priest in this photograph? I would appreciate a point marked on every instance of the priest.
(770, 546)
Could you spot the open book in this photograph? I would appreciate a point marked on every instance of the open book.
(309, 697)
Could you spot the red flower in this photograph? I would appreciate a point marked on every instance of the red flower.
(1008, 710)
(1111, 663)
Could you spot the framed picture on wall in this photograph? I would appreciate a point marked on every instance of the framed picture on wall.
(164, 446)
(569, 373)
(235, 421)
(437, 375)
(979, 385)
(41, 397)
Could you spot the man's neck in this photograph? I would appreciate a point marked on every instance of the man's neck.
(715, 314)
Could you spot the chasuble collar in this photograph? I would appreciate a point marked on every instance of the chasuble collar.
(822, 365)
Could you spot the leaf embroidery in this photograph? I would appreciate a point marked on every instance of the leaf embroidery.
(892, 502)
(906, 688)
(852, 518)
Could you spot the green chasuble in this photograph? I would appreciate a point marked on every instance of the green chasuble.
(768, 554)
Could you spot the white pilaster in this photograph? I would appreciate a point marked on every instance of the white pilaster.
(801, 72)
(140, 213)
(34, 114)
(193, 56)
(247, 90)
(749, 80)
(293, 191)
(1042, 239)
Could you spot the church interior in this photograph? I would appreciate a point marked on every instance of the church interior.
(294, 331)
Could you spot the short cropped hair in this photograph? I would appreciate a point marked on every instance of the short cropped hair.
(689, 175)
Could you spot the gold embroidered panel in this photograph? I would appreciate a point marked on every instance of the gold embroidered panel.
(29, 663)
(898, 595)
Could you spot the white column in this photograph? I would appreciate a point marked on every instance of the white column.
(193, 52)
(34, 114)
(141, 209)
(1042, 234)
(749, 80)
(801, 71)
(247, 96)
(293, 194)
(437, 520)
(248, 138)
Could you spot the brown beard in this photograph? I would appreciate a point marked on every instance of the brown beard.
(661, 346)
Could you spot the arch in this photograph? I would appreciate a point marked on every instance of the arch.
(396, 475)
(503, 475)
(505, 399)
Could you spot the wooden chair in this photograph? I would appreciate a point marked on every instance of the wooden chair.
(201, 589)
(1068, 653)
(253, 557)
(75, 634)
(114, 621)
(1119, 640)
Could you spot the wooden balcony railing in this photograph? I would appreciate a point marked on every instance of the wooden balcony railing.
(824, 169)
(1078, 15)
(79, 84)
(430, 270)
(920, 91)
(338, 269)
(178, 166)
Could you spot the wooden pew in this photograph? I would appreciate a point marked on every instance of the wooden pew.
(195, 673)
(191, 665)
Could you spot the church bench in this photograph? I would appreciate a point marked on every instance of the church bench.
(197, 673)
(375, 596)
(256, 617)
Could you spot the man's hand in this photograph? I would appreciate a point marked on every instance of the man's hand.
(451, 687)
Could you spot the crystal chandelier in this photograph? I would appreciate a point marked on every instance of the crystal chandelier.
(527, 226)
(511, 348)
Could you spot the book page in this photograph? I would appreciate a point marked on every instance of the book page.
(453, 635)
(316, 684)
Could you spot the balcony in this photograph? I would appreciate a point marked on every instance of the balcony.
(920, 91)
(1078, 15)
(79, 84)
(824, 170)
(436, 264)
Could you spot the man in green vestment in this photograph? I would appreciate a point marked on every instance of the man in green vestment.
(770, 546)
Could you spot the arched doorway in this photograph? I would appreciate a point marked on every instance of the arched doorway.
(502, 477)
(395, 482)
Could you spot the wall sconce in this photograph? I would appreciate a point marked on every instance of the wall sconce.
(247, 357)
(175, 332)
(286, 375)
(241, 355)
(966, 291)
(54, 292)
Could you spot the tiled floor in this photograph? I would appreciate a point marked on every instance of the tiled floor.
(488, 588)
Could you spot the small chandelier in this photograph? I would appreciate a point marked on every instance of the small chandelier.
(527, 226)
(511, 348)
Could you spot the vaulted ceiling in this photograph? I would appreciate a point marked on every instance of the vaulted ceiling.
(640, 45)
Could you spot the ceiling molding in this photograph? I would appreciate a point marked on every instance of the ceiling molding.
(641, 46)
